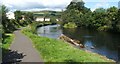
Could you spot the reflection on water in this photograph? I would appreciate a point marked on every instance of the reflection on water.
(52, 31)
(103, 43)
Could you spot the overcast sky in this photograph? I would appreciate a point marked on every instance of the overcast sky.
(57, 5)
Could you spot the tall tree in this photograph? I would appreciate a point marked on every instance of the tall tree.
(101, 19)
(29, 17)
(74, 12)
(112, 13)
(5, 21)
(118, 20)
(77, 5)
(18, 16)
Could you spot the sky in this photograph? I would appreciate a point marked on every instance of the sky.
(56, 5)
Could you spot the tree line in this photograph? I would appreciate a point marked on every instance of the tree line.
(9, 25)
(100, 19)
(21, 19)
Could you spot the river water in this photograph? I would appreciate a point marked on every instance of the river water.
(103, 43)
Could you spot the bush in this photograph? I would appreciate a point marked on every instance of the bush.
(53, 20)
(70, 25)
(104, 28)
(8, 38)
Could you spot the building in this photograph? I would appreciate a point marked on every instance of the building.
(39, 19)
(47, 19)
(42, 19)
(10, 15)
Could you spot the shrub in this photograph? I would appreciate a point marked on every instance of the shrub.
(104, 28)
(70, 25)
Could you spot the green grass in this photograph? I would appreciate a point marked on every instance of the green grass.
(7, 40)
(53, 50)
(6, 43)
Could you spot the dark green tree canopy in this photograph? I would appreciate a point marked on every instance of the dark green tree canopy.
(100, 19)
(18, 15)
(76, 5)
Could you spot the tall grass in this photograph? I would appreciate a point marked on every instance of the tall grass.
(7, 41)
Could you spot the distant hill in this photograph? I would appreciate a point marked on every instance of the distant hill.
(47, 13)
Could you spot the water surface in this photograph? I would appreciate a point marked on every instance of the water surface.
(104, 43)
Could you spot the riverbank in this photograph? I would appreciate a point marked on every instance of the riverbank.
(79, 45)
(53, 50)
(33, 26)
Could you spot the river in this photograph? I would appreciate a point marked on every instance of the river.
(103, 43)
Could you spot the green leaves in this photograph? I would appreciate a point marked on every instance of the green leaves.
(23, 18)
(100, 19)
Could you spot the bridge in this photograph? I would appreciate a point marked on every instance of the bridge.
(46, 15)
(44, 19)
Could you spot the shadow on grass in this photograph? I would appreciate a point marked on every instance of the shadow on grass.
(72, 62)
(9, 56)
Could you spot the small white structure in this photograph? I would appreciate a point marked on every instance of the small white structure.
(47, 19)
(42, 19)
(57, 19)
(23, 17)
(39, 19)
(10, 15)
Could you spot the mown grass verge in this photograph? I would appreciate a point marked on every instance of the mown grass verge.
(53, 50)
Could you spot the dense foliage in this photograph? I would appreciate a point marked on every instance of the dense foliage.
(100, 19)
(7, 25)
(53, 20)
(23, 18)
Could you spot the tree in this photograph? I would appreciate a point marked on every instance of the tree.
(100, 19)
(29, 17)
(112, 13)
(99, 16)
(77, 5)
(5, 21)
(74, 13)
(53, 20)
(118, 20)
(23, 18)
(102, 10)
(18, 16)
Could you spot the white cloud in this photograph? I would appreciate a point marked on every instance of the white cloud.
(99, 5)
(103, 4)
(101, 0)
(38, 9)
(37, 4)
(50, 4)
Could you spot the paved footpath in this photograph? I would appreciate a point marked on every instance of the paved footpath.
(22, 49)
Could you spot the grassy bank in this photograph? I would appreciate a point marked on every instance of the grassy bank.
(53, 50)
(7, 41)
